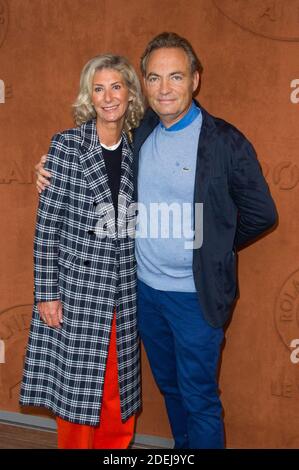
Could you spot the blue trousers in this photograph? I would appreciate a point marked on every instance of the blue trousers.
(183, 352)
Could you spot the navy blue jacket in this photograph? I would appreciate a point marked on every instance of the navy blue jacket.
(237, 208)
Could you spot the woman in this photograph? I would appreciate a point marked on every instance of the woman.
(82, 359)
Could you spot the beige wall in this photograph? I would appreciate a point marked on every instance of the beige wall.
(250, 52)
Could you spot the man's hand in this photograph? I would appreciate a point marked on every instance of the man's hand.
(42, 175)
(51, 313)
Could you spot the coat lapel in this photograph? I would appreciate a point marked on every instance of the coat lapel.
(92, 162)
(126, 176)
(204, 157)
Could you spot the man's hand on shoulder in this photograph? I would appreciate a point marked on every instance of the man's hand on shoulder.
(42, 175)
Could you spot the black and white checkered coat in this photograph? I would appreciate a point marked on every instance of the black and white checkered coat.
(64, 368)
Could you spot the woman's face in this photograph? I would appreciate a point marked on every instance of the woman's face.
(110, 96)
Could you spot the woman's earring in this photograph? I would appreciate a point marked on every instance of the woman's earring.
(133, 118)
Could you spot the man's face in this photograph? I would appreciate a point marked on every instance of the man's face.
(169, 83)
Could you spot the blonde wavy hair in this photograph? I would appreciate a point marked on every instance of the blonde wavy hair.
(83, 108)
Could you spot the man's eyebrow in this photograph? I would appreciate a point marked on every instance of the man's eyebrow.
(151, 74)
(177, 72)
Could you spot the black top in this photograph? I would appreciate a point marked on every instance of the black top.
(112, 159)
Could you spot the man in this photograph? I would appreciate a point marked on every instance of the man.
(183, 155)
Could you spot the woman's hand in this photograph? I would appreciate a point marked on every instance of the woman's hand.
(51, 313)
(42, 175)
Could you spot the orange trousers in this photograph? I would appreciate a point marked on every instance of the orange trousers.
(112, 433)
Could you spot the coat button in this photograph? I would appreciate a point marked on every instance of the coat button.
(86, 263)
(95, 203)
(90, 232)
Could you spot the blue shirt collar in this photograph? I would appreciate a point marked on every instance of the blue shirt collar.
(186, 120)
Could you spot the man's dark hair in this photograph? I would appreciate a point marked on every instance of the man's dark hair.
(170, 40)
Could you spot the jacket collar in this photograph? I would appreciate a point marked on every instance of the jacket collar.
(90, 139)
(89, 135)
(93, 165)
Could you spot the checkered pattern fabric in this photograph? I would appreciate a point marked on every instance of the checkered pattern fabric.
(92, 276)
